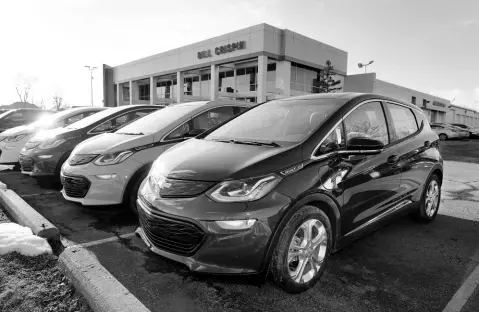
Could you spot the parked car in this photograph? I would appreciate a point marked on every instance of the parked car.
(45, 153)
(14, 139)
(109, 169)
(445, 132)
(289, 181)
(473, 132)
(21, 116)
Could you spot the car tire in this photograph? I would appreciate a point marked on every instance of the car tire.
(292, 268)
(443, 137)
(429, 205)
(132, 191)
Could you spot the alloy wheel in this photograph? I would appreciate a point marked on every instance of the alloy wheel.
(432, 198)
(307, 251)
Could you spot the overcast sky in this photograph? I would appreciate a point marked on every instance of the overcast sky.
(428, 45)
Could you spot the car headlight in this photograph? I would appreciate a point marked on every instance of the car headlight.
(113, 158)
(244, 190)
(76, 160)
(51, 143)
(14, 138)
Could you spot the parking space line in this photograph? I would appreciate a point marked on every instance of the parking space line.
(106, 240)
(464, 292)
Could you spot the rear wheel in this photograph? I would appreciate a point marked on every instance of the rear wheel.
(303, 249)
(430, 200)
(443, 137)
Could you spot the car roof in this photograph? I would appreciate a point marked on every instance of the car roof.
(348, 96)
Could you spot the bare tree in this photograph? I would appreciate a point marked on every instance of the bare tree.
(58, 103)
(24, 87)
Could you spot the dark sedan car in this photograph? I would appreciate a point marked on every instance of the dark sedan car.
(44, 154)
(286, 183)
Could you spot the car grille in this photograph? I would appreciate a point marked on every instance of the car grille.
(173, 235)
(75, 186)
(26, 162)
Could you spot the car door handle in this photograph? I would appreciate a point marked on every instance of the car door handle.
(427, 144)
(393, 159)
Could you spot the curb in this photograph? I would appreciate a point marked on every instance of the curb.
(25, 215)
(102, 291)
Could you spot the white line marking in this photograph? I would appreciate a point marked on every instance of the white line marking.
(465, 291)
(106, 240)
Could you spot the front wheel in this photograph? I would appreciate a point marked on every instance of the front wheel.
(303, 249)
(132, 192)
(443, 137)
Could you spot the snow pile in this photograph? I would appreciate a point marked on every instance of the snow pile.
(14, 237)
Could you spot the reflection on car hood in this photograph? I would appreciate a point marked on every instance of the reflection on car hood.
(205, 160)
(19, 130)
(112, 142)
(54, 133)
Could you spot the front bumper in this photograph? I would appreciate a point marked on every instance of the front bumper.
(32, 164)
(100, 191)
(218, 251)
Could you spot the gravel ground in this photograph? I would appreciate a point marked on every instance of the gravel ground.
(35, 284)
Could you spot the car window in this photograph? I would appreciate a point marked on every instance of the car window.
(367, 121)
(242, 109)
(285, 121)
(436, 127)
(74, 118)
(404, 121)
(15, 117)
(202, 122)
(333, 141)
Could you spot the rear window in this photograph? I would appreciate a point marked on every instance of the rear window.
(282, 121)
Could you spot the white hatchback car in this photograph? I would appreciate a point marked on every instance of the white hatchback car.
(13, 140)
(109, 168)
(446, 131)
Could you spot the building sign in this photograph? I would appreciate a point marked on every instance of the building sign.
(240, 45)
(437, 103)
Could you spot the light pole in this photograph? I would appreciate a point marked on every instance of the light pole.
(361, 65)
(91, 69)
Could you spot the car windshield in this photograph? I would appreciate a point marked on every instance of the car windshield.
(46, 120)
(85, 122)
(5, 113)
(281, 122)
(156, 121)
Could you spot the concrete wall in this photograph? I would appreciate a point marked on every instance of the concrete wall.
(363, 83)
(108, 89)
(261, 39)
(458, 114)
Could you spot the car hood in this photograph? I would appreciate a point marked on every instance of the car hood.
(59, 133)
(205, 160)
(19, 130)
(112, 142)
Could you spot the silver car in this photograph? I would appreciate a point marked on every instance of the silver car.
(446, 131)
(109, 168)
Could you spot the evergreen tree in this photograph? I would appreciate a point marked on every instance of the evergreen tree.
(327, 84)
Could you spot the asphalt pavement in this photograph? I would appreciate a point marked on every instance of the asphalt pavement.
(404, 266)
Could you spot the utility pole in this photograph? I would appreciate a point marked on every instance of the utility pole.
(91, 69)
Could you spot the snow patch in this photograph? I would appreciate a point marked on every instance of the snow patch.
(14, 237)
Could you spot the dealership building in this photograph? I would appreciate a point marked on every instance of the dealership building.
(255, 64)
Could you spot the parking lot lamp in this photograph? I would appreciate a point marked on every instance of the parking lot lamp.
(361, 65)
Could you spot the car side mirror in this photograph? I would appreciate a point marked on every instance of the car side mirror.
(194, 132)
(362, 145)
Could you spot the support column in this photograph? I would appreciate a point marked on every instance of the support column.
(119, 93)
(262, 78)
(131, 91)
(152, 90)
(283, 77)
(214, 83)
(180, 86)
(234, 81)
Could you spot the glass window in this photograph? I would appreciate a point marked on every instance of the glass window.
(159, 119)
(126, 93)
(404, 121)
(367, 121)
(281, 121)
(73, 119)
(120, 121)
(333, 142)
(144, 92)
(203, 122)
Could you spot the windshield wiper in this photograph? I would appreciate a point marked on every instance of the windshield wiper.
(269, 143)
(130, 133)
